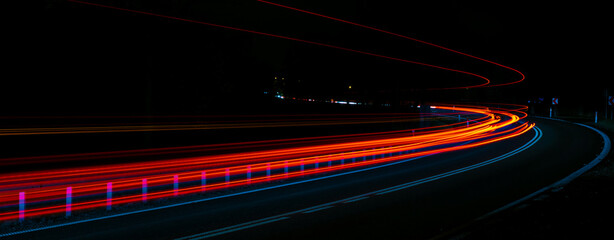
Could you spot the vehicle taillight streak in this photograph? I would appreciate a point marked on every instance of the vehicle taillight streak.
(43, 193)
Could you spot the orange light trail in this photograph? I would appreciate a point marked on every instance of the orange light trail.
(264, 123)
(41, 193)
(45, 190)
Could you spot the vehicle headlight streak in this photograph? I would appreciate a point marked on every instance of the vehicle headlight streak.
(45, 191)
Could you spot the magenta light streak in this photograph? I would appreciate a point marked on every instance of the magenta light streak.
(302, 167)
(227, 175)
(22, 206)
(286, 168)
(203, 180)
(128, 187)
(144, 186)
(176, 185)
(109, 195)
(68, 201)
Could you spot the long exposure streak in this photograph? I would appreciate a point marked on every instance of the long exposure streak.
(522, 77)
(365, 119)
(67, 191)
(486, 81)
(224, 166)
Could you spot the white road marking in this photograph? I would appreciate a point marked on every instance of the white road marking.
(355, 199)
(535, 139)
(318, 209)
(402, 186)
(231, 229)
(604, 152)
(211, 198)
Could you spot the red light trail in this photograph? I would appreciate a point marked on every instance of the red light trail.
(32, 194)
(66, 191)
(264, 122)
(406, 37)
(486, 81)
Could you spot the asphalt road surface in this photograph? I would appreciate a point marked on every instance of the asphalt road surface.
(415, 199)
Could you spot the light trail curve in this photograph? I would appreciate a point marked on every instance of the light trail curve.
(485, 80)
(89, 186)
(522, 77)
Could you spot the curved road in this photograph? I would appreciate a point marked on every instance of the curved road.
(366, 204)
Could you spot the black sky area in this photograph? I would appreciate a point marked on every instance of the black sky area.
(71, 58)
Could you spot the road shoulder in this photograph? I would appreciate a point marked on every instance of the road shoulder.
(580, 209)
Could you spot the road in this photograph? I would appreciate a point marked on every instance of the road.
(362, 204)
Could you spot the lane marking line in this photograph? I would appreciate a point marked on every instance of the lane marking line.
(211, 198)
(318, 209)
(217, 233)
(356, 199)
(233, 227)
(255, 190)
(604, 152)
(535, 139)
(538, 136)
(607, 144)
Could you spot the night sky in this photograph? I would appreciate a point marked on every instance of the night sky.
(70, 58)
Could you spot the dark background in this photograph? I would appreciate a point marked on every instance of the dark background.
(66, 58)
